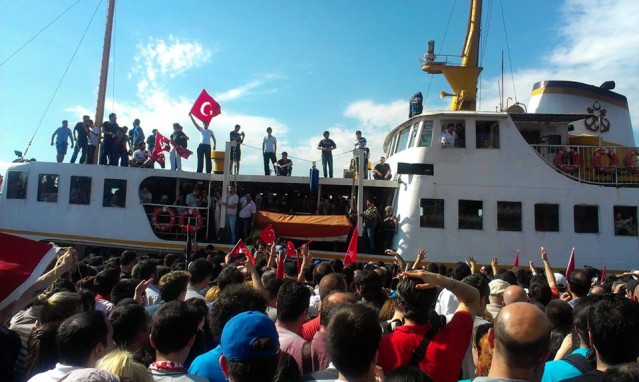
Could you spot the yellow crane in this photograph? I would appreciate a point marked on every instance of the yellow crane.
(463, 77)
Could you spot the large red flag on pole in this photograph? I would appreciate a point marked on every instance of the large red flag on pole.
(268, 234)
(205, 107)
(571, 263)
(21, 263)
(516, 262)
(239, 248)
(351, 252)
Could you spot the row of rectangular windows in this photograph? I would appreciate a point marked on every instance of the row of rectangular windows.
(509, 216)
(114, 194)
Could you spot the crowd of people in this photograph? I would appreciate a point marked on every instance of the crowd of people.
(219, 316)
(122, 146)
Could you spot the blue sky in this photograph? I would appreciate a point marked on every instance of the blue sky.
(301, 66)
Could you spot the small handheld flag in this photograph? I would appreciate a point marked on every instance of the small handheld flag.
(205, 107)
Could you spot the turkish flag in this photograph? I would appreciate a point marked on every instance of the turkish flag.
(603, 274)
(268, 234)
(290, 252)
(516, 263)
(240, 248)
(351, 252)
(21, 263)
(182, 151)
(161, 144)
(571, 263)
(205, 107)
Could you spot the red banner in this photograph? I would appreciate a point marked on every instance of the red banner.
(161, 145)
(516, 262)
(351, 252)
(182, 151)
(571, 263)
(205, 107)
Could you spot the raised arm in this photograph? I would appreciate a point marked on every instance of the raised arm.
(467, 294)
(255, 277)
(473, 264)
(398, 259)
(421, 255)
(494, 262)
(550, 277)
(306, 259)
(197, 126)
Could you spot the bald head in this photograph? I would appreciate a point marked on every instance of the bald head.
(332, 282)
(329, 304)
(513, 294)
(521, 341)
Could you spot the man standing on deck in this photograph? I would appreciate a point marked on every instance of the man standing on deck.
(327, 146)
(109, 153)
(269, 151)
(61, 135)
(231, 203)
(81, 136)
(236, 152)
(360, 145)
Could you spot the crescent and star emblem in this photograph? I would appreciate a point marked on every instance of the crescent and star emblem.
(203, 108)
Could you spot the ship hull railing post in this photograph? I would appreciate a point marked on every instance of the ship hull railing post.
(226, 180)
(360, 189)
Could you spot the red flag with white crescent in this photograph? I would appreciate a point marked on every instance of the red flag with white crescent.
(516, 262)
(21, 263)
(240, 247)
(290, 252)
(571, 263)
(268, 234)
(205, 107)
(351, 252)
(162, 144)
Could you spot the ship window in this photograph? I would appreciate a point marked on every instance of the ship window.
(471, 214)
(586, 219)
(547, 217)
(402, 140)
(48, 188)
(80, 190)
(413, 134)
(456, 137)
(487, 134)
(625, 220)
(432, 213)
(16, 185)
(114, 193)
(426, 137)
(509, 216)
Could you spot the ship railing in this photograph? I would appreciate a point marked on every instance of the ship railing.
(176, 232)
(605, 165)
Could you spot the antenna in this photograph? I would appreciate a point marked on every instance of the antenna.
(501, 89)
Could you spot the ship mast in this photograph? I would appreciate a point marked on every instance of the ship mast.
(104, 71)
(463, 77)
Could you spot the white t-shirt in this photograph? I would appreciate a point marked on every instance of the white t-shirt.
(93, 137)
(246, 211)
(232, 199)
(139, 155)
(269, 144)
(205, 136)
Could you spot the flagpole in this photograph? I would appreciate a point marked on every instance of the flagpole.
(104, 72)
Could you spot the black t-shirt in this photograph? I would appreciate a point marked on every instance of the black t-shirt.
(180, 138)
(109, 131)
(81, 133)
(382, 168)
(327, 144)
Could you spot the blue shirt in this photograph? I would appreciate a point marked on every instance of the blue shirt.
(62, 134)
(208, 365)
(559, 370)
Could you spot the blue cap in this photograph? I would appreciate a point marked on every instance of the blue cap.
(242, 331)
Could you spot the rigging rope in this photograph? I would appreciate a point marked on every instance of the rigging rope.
(62, 79)
(510, 63)
(450, 16)
(38, 34)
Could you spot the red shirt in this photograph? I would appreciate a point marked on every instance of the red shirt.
(444, 354)
(309, 328)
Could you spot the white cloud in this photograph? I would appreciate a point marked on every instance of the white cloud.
(242, 90)
(160, 58)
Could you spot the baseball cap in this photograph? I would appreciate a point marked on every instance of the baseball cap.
(242, 331)
(497, 286)
(561, 281)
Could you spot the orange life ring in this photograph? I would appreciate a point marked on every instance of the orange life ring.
(163, 226)
(188, 214)
(629, 161)
(613, 161)
(569, 166)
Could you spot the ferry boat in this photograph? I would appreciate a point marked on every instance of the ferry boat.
(564, 173)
